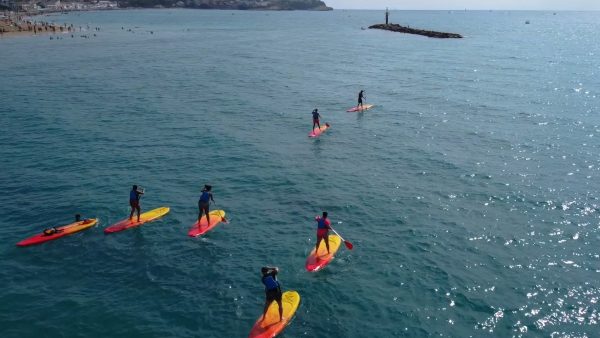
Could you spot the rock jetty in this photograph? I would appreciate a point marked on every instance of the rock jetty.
(402, 29)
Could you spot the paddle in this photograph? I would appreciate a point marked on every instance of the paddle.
(347, 243)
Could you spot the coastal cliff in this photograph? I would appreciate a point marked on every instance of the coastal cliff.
(277, 5)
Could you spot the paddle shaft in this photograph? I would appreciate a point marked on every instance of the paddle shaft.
(347, 243)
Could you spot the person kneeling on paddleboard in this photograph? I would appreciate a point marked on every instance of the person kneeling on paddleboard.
(272, 289)
(134, 201)
(203, 203)
(316, 117)
(323, 226)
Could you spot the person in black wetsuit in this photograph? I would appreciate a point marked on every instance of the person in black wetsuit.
(272, 289)
(316, 116)
(361, 97)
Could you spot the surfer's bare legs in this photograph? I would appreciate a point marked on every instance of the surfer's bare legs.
(267, 303)
(139, 210)
(319, 242)
(203, 209)
(135, 207)
(280, 308)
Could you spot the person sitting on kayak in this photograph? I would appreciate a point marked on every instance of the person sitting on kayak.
(316, 116)
(323, 226)
(134, 201)
(361, 96)
(203, 203)
(272, 289)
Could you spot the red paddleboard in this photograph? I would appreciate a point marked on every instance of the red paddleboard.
(317, 132)
(359, 108)
(146, 217)
(202, 227)
(271, 326)
(63, 231)
(317, 261)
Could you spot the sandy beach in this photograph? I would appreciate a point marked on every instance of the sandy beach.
(12, 25)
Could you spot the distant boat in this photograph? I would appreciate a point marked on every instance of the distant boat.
(527, 22)
(363, 28)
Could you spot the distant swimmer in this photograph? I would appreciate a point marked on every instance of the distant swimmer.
(204, 202)
(316, 116)
(272, 289)
(361, 97)
(323, 227)
(134, 201)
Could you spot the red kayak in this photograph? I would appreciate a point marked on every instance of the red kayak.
(62, 231)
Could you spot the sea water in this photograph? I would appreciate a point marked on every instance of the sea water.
(470, 191)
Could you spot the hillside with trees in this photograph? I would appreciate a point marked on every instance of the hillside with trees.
(281, 5)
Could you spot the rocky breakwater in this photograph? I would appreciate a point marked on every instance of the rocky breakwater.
(408, 30)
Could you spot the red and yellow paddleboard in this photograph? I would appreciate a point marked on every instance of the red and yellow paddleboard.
(63, 231)
(318, 131)
(146, 217)
(202, 227)
(271, 326)
(360, 108)
(317, 261)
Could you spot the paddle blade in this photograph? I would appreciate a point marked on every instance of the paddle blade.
(349, 245)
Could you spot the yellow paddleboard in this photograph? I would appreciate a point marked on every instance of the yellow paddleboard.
(271, 326)
(148, 216)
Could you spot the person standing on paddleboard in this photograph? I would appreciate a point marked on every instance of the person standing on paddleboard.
(316, 116)
(203, 203)
(134, 201)
(361, 96)
(272, 289)
(323, 226)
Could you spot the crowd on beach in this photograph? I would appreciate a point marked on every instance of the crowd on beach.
(12, 24)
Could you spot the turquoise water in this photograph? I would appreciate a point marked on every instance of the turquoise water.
(470, 192)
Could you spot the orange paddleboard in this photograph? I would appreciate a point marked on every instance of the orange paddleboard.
(271, 326)
(317, 261)
(146, 217)
(202, 227)
(63, 231)
(318, 131)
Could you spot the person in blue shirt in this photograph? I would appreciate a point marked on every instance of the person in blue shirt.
(272, 289)
(134, 201)
(316, 116)
(204, 202)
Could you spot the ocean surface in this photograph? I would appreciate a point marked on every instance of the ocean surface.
(470, 192)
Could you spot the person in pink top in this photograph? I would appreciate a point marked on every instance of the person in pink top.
(323, 226)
